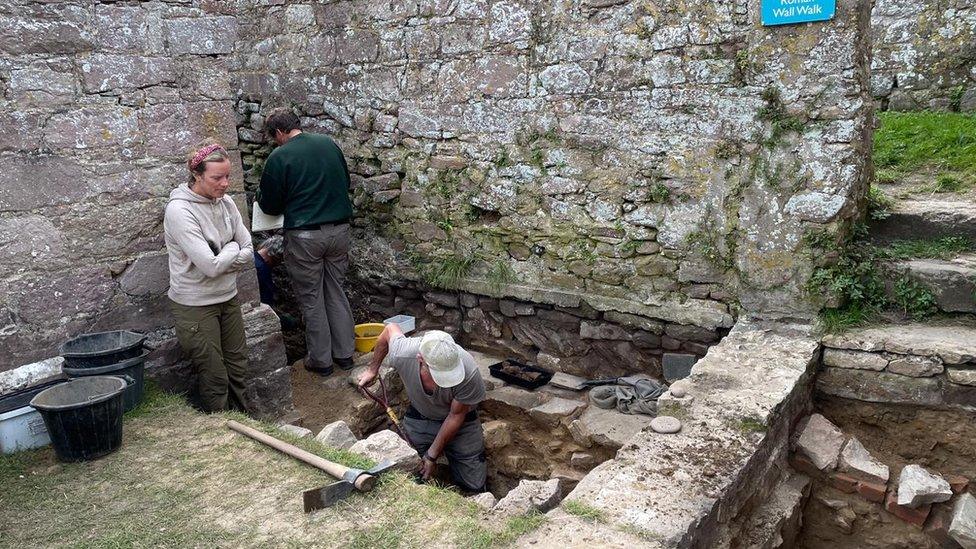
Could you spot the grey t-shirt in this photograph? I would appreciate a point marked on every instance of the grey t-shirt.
(403, 358)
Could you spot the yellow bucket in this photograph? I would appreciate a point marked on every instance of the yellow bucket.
(367, 334)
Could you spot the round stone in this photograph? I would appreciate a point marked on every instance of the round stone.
(678, 391)
(666, 424)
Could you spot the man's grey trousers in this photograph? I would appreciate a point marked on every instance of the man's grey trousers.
(316, 261)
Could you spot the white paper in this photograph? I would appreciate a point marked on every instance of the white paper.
(261, 221)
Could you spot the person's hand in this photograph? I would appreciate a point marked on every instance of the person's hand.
(367, 378)
(427, 467)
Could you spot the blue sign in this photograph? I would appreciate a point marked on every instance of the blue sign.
(787, 12)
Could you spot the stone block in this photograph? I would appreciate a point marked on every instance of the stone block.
(295, 430)
(583, 460)
(879, 387)
(554, 411)
(914, 516)
(485, 500)
(962, 527)
(606, 427)
(854, 359)
(962, 376)
(388, 445)
(146, 276)
(677, 366)
(856, 461)
(821, 441)
(958, 483)
(917, 487)
(337, 435)
(604, 331)
(528, 496)
(497, 433)
(915, 366)
(103, 72)
(442, 298)
(201, 35)
(93, 127)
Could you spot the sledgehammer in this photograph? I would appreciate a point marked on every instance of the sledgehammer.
(320, 498)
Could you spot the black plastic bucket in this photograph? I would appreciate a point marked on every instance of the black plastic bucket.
(131, 370)
(83, 416)
(101, 349)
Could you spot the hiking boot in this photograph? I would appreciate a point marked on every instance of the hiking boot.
(344, 363)
(324, 372)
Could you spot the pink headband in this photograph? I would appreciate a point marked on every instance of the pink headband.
(203, 153)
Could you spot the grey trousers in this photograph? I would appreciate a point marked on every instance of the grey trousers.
(316, 261)
(465, 452)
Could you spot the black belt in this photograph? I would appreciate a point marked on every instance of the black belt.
(315, 226)
(414, 414)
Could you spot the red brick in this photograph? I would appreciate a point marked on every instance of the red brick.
(803, 465)
(844, 483)
(871, 491)
(912, 516)
(958, 483)
(937, 527)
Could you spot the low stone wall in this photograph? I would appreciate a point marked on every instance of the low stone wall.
(920, 365)
(574, 337)
(924, 55)
(702, 486)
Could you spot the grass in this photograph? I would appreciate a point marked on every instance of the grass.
(929, 142)
(583, 510)
(182, 479)
(943, 248)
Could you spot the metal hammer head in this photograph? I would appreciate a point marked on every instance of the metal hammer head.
(354, 479)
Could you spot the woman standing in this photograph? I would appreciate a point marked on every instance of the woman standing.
(207, 244)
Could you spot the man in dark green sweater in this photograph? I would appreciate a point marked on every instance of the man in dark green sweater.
(306, 179)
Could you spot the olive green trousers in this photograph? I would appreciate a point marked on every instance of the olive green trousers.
(212, 336)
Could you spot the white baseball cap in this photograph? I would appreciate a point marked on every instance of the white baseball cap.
(443, 358)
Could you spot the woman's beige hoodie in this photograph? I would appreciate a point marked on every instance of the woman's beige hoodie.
(207, 243)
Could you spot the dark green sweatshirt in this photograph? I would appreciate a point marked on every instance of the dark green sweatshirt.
(307, 180)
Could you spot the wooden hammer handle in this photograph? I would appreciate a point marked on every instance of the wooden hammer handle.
(364, 483)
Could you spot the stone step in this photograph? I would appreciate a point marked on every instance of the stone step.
(952, 281)
(927, 217)
(951, 340)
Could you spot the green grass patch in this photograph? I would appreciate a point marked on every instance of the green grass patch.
(943, 248)
(583, 510)
(943, 143)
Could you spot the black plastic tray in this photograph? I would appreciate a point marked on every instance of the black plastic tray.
(495, 370)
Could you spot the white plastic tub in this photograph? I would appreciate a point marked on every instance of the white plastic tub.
(22, 429)
(406, 322)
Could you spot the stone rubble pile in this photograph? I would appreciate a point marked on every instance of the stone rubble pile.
(825, 453)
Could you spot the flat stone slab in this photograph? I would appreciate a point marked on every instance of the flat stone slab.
(29, 374)
(666, 425)
(962, 526)
(567, 381)
(858, 360)
(953, 282)
(856, 461)
(928, 217)
(515, 397)
(880, 387)
(555, 410)
(821, 441)
(915, 366)
(606, 427)
(484, 360)
(953, 343)
(917, 487)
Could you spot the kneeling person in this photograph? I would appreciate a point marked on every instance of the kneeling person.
(444, 387)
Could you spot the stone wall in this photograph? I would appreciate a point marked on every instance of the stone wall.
(924, 55)
(100, 101)
(658, 159)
